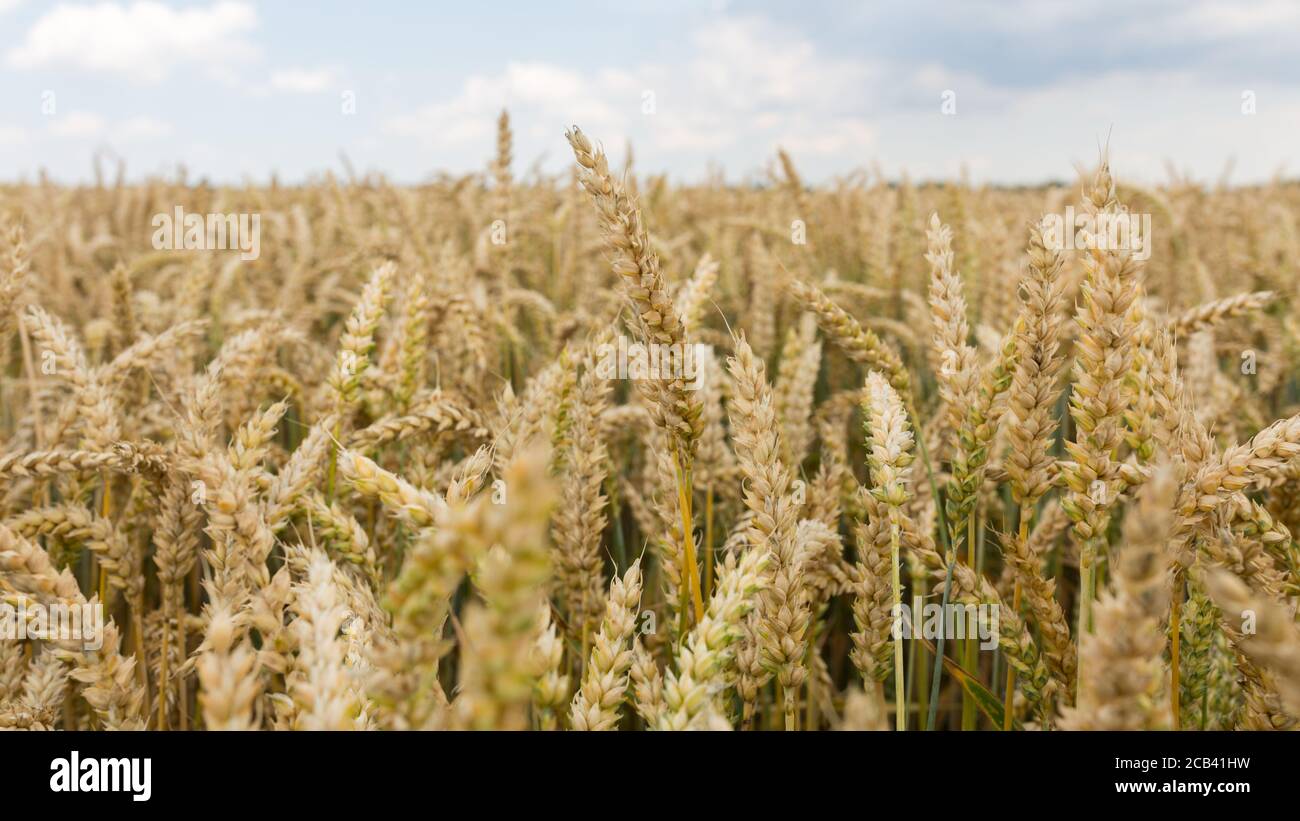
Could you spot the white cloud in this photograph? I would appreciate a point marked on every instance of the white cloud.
(846, 137)
(78, 124)
(85, 125)
(1148, 117)
(1036, 90)
(304, 80)
(749, 63)
(143, 41)
(141, 128)
(7, 5)
(12, 134)
(744, 86)
(1175, 20)
(529, 90)
(1215, 19)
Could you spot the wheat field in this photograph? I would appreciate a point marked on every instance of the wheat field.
(383, 475)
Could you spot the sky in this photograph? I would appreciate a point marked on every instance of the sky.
(1005, 92)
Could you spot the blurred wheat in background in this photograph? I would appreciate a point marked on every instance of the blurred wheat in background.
(378, 477)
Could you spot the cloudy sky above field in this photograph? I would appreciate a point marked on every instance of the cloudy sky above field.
(239, 89)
